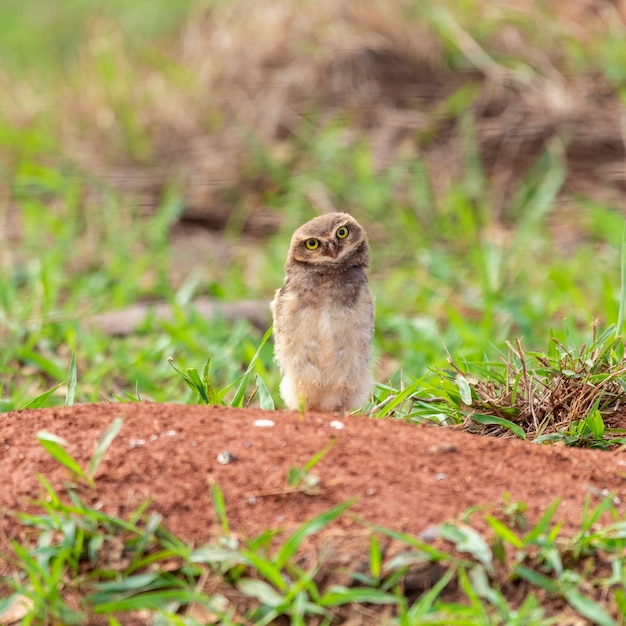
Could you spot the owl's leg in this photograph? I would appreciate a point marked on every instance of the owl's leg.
(289, 393)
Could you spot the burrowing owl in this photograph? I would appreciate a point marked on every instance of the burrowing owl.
(324, 316)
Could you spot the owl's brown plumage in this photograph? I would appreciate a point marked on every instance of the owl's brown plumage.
(324, 316)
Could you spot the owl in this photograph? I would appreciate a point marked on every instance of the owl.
(324, 317)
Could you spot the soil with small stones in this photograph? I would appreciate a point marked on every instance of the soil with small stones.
(405, 477)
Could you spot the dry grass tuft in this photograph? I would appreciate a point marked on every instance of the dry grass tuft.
(571, 392)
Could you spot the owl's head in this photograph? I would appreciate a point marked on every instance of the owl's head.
(334, 242)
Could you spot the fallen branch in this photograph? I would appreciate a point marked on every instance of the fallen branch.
(126, 321)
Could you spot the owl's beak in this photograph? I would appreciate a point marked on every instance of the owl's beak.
(331, 249)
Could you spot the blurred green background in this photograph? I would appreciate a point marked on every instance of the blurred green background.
(156, 152)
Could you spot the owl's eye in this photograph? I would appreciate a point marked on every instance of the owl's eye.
(312, 244)
(342, 232)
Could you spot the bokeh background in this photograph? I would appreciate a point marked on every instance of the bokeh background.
(156, 156)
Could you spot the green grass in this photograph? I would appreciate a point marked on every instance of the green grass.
(56, 35)
(445, 287)
(459, 274)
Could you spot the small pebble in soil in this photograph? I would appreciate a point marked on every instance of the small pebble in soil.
(605, 493)
(370, 492)
(441, 476)
(252, 500)
(153, 437)
(225, 457)
(248, 444)
(263, 423)
(441, 447)
(135, 443)
(338, 425)
(171, 433)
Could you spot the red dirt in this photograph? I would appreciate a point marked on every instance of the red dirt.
(402, 476)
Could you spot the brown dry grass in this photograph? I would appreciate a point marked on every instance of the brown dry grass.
(554, 395)
(400, 74)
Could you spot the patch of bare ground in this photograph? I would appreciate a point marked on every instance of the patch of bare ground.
(401, 476)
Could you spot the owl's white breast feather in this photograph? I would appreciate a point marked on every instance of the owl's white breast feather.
(324, 351)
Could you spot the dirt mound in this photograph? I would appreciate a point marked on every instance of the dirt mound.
(402, 476)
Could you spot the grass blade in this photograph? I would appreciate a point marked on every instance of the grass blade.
(40, 400)
(243, 380)
(504, 532)
(151, 600)
(55, 446)
(318, 456)
(194, 382)
(423, 605)
(261, 591)
(399, 399)
(376, 558)
(220, 507)
(267, 569)
(265, 397)
(291, 546)
(337, 596)
(469, 540)
(622, 294)
(465, 391)
(543, 524)
(104, 443)
(588, 608)
(71, 382)
(536, 578)
(500, 421)
(200, 386)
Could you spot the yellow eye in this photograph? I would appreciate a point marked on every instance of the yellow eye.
(342, 232)
(311, 244)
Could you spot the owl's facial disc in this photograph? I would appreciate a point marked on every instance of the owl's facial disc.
(331, 246)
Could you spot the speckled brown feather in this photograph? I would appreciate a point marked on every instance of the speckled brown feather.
(324, 317)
